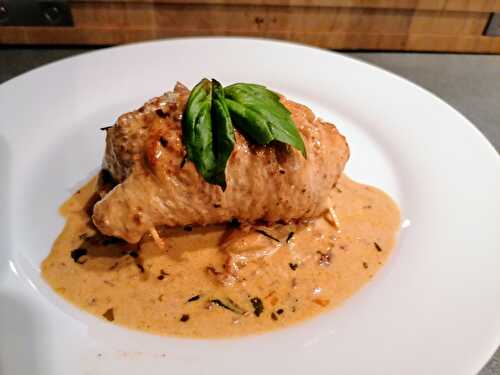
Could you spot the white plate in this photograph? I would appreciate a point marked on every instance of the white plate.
(435, 307)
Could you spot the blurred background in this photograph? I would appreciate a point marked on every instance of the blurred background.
(400, 25)
(450, 47)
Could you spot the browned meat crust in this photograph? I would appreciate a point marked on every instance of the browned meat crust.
(145, 158)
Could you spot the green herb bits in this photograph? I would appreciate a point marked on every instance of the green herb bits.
(197, 129)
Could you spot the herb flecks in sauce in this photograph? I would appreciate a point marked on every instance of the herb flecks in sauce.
(140, 266)
(258, 306)
(293, 266)
(194, 298)
(162, 275)
(264, 233)
(109, 276)
(109, 315)
(229, 305)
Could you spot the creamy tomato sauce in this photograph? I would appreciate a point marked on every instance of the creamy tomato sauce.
(177, 290)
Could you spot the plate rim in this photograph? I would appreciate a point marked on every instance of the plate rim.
(484, 141)
(344, 55)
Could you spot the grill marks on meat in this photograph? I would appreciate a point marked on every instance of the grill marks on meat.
(144, 155)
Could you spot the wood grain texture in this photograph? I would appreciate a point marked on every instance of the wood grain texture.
(115, 22)
(337, 40)
(246, 18)
(451, 5)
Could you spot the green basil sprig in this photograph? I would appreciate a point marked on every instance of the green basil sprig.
(212, 110)
(264, 118)
(223, 134)
(197, 129)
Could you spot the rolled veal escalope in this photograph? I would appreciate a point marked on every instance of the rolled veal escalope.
(146, 181)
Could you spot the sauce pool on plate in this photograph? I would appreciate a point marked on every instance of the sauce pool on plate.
(184, 289)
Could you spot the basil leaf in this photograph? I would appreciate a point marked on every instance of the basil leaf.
(223, 134)
(257, 90)
(207, 125)
(256, 108)
(256, 96)
(252, 123)
(197, 129)
(284, 130)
